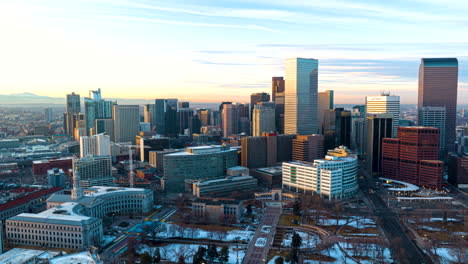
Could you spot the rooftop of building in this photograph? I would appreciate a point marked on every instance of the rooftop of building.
(93, 194)
(66, 213)
(238, 168)
(34, 194)
(227, 179)
(102, 190)
(202, 150)
(23, 255)
(271, 170)
(85, 257)
(439, 62)
(217, 201)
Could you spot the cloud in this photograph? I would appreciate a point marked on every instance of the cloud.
(282, 15)
(224, 51)
(222, 63)
(188, 23)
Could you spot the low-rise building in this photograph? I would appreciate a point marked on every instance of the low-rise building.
(223, 187)
(26, 200)
(217, 210)
(269, 176)
(63, 227)
(102, 200)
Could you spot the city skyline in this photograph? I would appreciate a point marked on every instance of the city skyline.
(55, 47)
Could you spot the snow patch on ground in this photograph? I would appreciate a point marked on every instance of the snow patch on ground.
(370, 250)
(172, 252)
(169, 230)
(309, 240)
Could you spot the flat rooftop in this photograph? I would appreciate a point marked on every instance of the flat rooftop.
(23, 255)
(271, 170)
(77, 258)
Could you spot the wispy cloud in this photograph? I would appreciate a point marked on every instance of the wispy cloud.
(189, 23)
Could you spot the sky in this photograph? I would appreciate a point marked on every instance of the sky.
(223, 50)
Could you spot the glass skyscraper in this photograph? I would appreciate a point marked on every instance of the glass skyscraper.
(301, 80)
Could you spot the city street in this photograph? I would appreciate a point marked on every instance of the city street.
(392, 226)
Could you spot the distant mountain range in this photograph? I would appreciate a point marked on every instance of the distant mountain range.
(20, 99)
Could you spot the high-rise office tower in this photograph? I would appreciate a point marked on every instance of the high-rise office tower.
(183, 116)
(204, 115)
(165, 117)
(325, 103)
(413, 157)
(438, 87)
(96, 145)
(254, 154)
(378, 126)
(257, 98)
(434, 117)
(230, 120)
(126, 122)
(215, 118)
(94, 171)
(171, 126)
(160, 106)
(194, 125)
(105, 126)
(358, 122)
(96, 108)
(358, 135)
(337, 128)
(308, 147)
(300, 112)
(244, 118)
(73, 107)
(277, 89)
(263, 118)
(48, 115)
(385, 104)
(79, 126)
(267, 150)
(149, 115)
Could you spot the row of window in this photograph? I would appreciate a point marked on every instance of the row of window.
(43, 226)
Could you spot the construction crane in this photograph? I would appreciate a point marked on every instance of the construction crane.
(130, 158)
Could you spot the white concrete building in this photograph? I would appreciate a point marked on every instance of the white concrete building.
(97, 145)
(101, 200)
(335, 176)
(385, 104)
(301, 83)
(64, 226)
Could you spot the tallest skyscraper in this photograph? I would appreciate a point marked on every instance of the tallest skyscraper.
(438, 85)
(300, 113)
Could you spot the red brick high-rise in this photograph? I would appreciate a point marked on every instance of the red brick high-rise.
(438, 82)
(413, 156)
